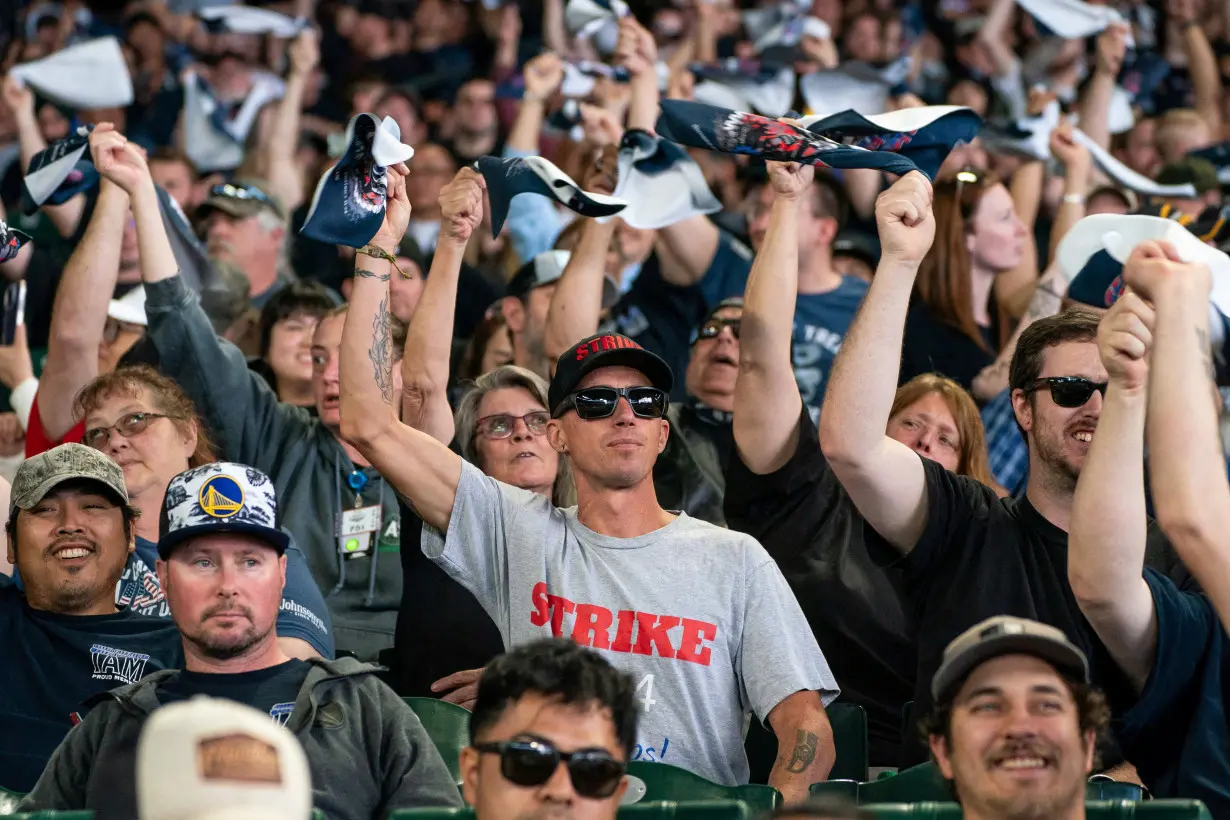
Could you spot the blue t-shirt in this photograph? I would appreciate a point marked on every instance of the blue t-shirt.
(272, 690)
(1177, 733)
(53, 662)
(820, 319)
(303, 614)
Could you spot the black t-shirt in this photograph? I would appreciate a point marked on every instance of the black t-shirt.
(805, 520)
(981, 556)
(271, 690)
(1177, 732)
(53, 663)
(661, 317)
(441, 627)
(931, 346)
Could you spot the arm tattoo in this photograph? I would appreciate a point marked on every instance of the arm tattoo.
(804, 753)
(364, 273)
(379, 353)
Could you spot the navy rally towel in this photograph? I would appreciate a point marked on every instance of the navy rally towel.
(60, 171)
(534, 175)
(11, 241)
(914, 139)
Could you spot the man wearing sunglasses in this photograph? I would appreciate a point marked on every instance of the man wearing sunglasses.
(551, 734)
(699, 616)
(961, 553)
(244, 226)
(689, 475)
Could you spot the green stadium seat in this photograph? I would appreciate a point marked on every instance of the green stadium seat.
(688, 810)
(55, 815)
(1094, 810)
(465, 813)
(448, 726)
(671, 783)
(923, 784)
(849, 723)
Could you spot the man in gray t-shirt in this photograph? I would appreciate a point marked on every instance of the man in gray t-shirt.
(700, 616)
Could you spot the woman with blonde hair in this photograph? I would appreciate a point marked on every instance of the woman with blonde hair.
(954, 325)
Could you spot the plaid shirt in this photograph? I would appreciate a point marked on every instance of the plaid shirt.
(1006, 447)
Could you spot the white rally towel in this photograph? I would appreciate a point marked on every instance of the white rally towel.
(86, 76)
(1072, 19)
(250, 20)
(596, 20)
(660, 182)
(213, 140)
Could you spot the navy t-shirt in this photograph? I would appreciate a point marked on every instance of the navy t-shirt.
(53, 662)
(820, 319)
(1177, 733)
(303, 614)
(271, 690)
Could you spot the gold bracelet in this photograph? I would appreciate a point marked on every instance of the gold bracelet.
(378, 252)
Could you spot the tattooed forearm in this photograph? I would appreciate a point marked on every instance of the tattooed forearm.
(382, 363)
(364, 273)
(804, 753)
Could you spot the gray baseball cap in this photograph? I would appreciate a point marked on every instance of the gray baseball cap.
(39, 474)
(1006, 635)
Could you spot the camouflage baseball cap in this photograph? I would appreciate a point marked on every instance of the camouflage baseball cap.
(39, 474)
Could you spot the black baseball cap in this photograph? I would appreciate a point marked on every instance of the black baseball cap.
(604, 350)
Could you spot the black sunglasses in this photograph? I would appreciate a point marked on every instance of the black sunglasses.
(713, 328)
(600, 402)
(595, 774)
(245, 192)
(1069, 391)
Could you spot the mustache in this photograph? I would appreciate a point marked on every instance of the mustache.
(1023, 748)
(220, 609)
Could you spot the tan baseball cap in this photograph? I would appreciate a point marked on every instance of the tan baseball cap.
(39, 474)
(1006, 635)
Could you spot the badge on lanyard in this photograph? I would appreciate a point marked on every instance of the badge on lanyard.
(360, 523)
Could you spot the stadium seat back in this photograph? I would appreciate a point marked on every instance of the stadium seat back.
(464, 813)
(923, 784)
(690, 810)
(1094, 810)
(664, 782)
(448, 726)
(849, 723)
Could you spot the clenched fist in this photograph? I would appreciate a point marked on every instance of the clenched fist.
(461, 206)
(905, 219)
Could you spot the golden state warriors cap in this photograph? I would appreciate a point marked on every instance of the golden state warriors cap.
(209, 759)
(220, 497)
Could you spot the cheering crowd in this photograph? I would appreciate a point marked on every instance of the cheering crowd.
(643, 380)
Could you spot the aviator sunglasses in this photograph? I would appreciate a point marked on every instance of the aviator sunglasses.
(1069, 391)
(600, 402)
(594, 773)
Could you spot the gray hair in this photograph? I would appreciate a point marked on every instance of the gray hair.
(465, 421)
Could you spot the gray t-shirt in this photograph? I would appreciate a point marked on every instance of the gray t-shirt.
(700, 616)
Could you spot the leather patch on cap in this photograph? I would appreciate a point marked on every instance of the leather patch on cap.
(238, 757)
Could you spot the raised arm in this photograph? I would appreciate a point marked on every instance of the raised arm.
(422, 469)
(66, 216)
(576, 304)
(80, 310)
(1187, 471)
(884, 478)
(638, 53)
(767, 401)
(1094, 105)
(280, 147)
(1106, 539)
(1078, 166)
(1201, 62)
(424, 367)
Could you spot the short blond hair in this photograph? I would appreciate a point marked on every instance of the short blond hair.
(1169, 125)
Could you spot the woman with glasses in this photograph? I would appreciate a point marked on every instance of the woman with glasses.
(500, 427)
(147, 425)
(954, 325)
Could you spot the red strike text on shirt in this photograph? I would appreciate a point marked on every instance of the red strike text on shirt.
(598, 627)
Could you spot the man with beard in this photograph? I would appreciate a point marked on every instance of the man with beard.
(961, 553)
(70, 531)
(1015, 721)
(222, 566)
(245, 226)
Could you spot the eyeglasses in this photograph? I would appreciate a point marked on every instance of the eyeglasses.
(1069, 391)
(502, 425)
(128, 426)
(245, 192)
(113, 327)
(600, 402)
(594, 773)
(713, 328)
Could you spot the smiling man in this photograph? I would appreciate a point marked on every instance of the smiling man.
(223, 566)
(1015, 721)
(70, 531)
